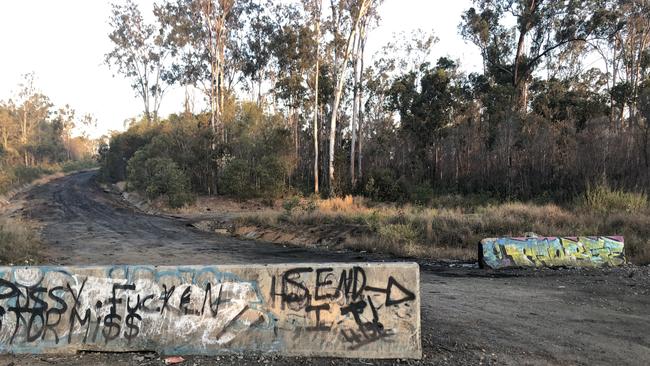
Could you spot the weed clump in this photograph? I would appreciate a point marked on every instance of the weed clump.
(603, 199)
(19, 243)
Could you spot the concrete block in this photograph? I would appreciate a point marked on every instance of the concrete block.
(583, 251)
(369, 310)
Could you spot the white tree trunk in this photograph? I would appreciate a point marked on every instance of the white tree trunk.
(355, 104)
(315, 123)
(340, 79)
(361, 113)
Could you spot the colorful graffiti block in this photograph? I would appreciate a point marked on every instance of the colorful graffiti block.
(345, 310)
(583, 251)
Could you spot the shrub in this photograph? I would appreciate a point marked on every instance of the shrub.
(383, 185)
(27, 174)
(603, 199)
(404, 234)
(265, 179)
(6, 181)
(421, 194)
(235, 179)
(271, 173)
(373, 220)
(19, 244)
(114, 157)
(311, 206)
(291, 204)
(159, 177)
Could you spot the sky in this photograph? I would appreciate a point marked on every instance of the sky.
(64, 42)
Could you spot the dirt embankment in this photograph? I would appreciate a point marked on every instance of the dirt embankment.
(321, 236)
(230, 217)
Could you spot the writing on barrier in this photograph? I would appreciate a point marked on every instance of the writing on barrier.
(365, 310)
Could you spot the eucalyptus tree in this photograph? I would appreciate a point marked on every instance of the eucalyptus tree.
(370, 19)
(199, 34)
(315, 9)
(631, 47)
(139, 53)
(33, 108)
(292, 46)
(425, 102)
(512, 52)
(355, 12)
(254, 49)
(65, 118)
(8, 125)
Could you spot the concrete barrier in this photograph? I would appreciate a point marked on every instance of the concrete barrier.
(344, 310)
(583, 251)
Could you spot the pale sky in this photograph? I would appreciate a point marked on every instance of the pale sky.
(64, 43)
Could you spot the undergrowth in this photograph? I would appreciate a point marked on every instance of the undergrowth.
(19, 243)
(453, 232)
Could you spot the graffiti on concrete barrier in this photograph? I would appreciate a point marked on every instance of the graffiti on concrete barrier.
(345, 310)
(582, 251)
(339, 295)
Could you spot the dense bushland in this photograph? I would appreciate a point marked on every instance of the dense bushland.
(540, 160)
(295, 107)
(179, 157)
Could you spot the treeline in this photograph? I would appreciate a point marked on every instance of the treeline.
(36, 138)
(295, 104)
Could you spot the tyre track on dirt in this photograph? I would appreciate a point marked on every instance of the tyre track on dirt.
(85, 225)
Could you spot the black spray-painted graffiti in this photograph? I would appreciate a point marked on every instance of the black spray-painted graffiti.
(344, 308)
(350, 290)
(39, 320)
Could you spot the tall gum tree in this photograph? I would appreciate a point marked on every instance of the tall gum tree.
(542, 28)
(33, 108)
(357, 10)
(315, 8)
(198, 32)
(139, 54)
(356, 126)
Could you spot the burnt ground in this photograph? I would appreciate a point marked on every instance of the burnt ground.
(469, 316)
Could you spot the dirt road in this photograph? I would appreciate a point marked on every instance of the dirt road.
(469, 316)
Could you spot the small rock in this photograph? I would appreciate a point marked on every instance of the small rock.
(173, 360)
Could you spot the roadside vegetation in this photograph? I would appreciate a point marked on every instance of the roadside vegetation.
(15, 177)
(19, 243)
(436, 158)
(451, 226)
(37, 139)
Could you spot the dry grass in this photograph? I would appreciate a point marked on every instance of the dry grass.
(19, 243)
(453, 232)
